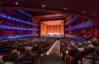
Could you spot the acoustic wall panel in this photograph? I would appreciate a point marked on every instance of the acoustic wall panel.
(52, 27)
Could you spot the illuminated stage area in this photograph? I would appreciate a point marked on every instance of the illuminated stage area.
(52, 28)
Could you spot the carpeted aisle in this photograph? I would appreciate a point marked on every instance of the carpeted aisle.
(53, 55)
(55, 49)
(51, 60)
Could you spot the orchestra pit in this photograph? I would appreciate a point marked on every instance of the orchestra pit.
(49, 32)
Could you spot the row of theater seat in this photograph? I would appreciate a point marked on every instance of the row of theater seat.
(72, 51)
(25, 52)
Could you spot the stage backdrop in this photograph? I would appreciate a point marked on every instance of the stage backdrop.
(52, 27)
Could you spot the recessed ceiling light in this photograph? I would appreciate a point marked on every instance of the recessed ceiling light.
(43, 5)
(16, 3)
(83, 12)
(0, 2)
(65, 8)
(93, 14)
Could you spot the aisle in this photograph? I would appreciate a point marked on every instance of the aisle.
(51, 60)
(55, 49)
(53, 55)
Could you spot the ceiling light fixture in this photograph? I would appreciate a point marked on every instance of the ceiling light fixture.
(83, 12)
(65, 8)
(43, 5)
(93, 14)
(16, 3)
(0, 2)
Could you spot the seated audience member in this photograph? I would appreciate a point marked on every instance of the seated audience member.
(9, 63)
(36, 51)
(95, 41)
(90, 45)
(21, 48)
(5, 58)
(28, 50)
(13, 55)
(11, 58)
(80, 47)
(73, 51)
(2, 60)
(36, 47)
(97, 50)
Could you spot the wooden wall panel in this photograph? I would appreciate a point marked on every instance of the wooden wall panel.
(48, 27)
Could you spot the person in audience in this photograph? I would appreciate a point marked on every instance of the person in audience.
(80, 47)
(13, 55)
(73, 50)
(28, 50)
(9, 63)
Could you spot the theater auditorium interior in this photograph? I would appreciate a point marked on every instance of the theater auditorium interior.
(49, 32)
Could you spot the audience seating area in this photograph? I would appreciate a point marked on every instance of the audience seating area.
(29, 50)
(25, 51)
(72, 51)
